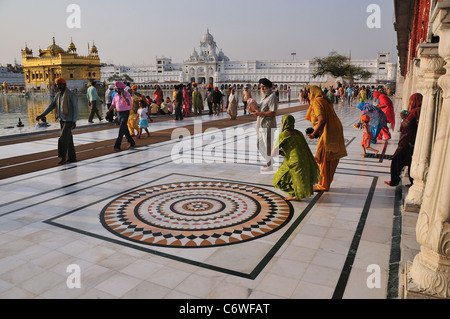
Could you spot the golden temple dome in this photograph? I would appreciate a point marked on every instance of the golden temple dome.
(54, 47)
(27, 51)
(72, 48)
(94, 50)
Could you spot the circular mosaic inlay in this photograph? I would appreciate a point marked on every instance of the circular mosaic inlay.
(196, 214)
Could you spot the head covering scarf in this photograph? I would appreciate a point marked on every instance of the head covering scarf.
(415, 101)
(376, 94)
(362, 106)
(316, 92)
(288, 123)
(317, 96)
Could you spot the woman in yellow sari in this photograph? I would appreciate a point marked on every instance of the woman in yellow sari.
(133, 119)
(328, 128)
(362, 95)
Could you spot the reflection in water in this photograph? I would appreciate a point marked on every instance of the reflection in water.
(27, 109)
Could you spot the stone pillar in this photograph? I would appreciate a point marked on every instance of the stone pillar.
(407, 87)
(430, 271)
(417, 78)
(431, 65)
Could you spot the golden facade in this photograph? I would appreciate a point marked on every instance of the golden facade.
(41, 72)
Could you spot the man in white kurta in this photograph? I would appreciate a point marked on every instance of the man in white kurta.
(266, 123)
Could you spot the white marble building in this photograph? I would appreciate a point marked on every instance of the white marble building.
(210, 65)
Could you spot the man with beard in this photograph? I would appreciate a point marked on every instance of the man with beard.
(266, 122)
(65, 104)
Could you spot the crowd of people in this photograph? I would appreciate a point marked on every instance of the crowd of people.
(301, 173)
(186, 101)
(347, 95)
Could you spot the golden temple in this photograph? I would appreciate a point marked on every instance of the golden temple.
(41, 71)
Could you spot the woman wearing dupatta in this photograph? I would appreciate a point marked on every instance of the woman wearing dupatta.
(387, 107)
(405, 150)
(197, 100)
(377, 119)
(328, 128)
(299, 172)
(362, 95)
(158, 95)
(133, 119)
(187, 102)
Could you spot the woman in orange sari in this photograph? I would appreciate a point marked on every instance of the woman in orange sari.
(328, 128)
(158, 95)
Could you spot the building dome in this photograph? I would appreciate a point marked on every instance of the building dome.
(94, 50)
(207, 38)
(54, 47)
(194, 55)
(72, 48)
(222, 56)
(27, 51)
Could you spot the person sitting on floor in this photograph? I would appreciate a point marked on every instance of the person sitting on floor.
(164, 108)
(154, 108)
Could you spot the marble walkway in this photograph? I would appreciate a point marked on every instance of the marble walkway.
(181, 220)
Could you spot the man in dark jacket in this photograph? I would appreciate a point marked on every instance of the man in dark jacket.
(209, 99)
(179, 100)
(217, 100)
(65, 103)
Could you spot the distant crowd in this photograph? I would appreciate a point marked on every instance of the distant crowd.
(348, 94)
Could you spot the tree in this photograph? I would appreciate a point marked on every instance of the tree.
(338, 65)
(122, 78)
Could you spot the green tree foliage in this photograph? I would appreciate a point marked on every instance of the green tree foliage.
(122, 78)
(338, 65)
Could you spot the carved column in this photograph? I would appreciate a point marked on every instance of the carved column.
(407, 86)
(418, 71)
(430, 271)
(431, 65)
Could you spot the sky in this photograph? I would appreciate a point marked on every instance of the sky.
(136, 32)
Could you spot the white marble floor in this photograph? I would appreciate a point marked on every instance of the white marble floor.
(336, 245)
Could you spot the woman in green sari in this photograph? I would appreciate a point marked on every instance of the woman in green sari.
(299, 172)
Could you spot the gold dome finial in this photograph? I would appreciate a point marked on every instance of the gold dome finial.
(72, 48)
(94, 50)
(27, 51)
